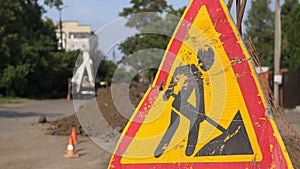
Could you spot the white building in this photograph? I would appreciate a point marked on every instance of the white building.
(74, 36)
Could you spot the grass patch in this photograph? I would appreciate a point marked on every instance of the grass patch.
(12, 100)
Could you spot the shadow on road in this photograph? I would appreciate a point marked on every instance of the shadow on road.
(13, 114)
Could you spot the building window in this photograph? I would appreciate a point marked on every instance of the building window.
(81, 35)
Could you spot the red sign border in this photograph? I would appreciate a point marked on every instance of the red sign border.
(247, 85)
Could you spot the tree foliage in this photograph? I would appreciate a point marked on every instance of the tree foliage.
(156, 29)
(290, 16)
(106, 71)
(53, 3)
(30, 65)
(145, 6)
(260, 27)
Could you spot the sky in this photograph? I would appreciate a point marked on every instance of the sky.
(100, 14)
(96, 13)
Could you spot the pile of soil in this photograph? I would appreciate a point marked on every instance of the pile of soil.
(64, 126)
(114, 115)
(114, 108)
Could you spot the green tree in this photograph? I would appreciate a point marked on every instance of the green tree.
(138, 6)
(55, 3)
(155, 30)
(106, 70)
(22, 35)
(260, 27)
(290, 14)
(14, 78)
(286, 20)
(30, 65)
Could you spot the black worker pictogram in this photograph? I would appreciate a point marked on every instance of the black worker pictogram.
(196, 114)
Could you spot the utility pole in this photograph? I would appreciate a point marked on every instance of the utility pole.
(114, 55)
(61, 47)
(277, 52)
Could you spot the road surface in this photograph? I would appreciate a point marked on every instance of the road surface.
(24, 145)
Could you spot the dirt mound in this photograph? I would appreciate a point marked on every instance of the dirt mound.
(116, 103)
(64, 126)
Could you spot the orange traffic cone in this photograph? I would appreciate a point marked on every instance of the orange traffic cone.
(71, 153)
(68, 96)
(74, 135)
(69, 89)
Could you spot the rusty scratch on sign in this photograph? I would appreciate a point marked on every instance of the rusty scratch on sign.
(233, 63)
(238, 61)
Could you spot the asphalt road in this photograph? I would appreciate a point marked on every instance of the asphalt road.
(24, 145)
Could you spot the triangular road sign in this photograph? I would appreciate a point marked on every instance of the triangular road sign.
(206, 108)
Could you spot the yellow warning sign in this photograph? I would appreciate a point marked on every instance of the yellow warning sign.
(206, 108)
(201, 110)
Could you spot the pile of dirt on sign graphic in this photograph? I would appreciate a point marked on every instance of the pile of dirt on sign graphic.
(64, 126)
(117, 103)
(116, 111)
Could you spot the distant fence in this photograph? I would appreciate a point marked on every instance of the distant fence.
(289, 89)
